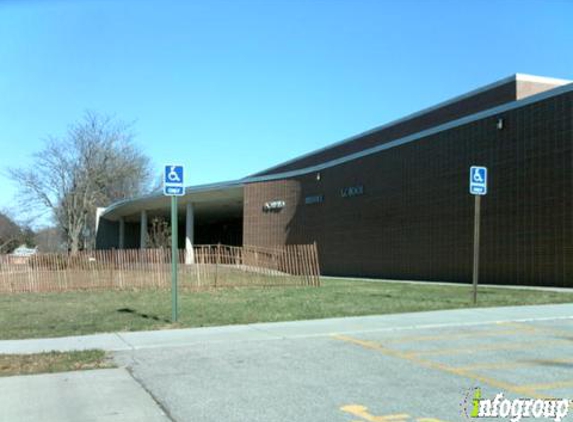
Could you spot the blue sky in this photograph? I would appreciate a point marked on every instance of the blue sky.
(232, 87)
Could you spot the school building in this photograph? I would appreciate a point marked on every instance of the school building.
(394, 201)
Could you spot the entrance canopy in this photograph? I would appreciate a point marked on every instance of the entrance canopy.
(207, 214)
(211, 203)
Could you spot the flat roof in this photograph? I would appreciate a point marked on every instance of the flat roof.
(233, 188)
(517, 77)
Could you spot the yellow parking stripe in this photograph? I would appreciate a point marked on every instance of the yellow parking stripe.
(362, 412)
(540, 329)
(482, 333)
(518, 325)
(549, 385)
(429, 420)
(487, 347)
(514, 364)
(439, 366)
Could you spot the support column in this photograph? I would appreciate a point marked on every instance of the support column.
(121, 233)
(189, 234)
(143, 231)
(99, 212)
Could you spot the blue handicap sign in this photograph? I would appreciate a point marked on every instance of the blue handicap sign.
(173, 181)
(478, 180)
(173, 175)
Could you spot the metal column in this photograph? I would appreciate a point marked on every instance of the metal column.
(189, 234)
(143, 231)
(121, 244)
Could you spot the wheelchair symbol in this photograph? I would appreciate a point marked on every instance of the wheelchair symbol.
(478, 176)
(173, 176)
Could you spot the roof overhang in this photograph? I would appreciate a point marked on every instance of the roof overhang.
(221, 200)
(218, 200)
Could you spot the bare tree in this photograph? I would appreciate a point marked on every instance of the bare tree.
(10, 234)
(159, 235)
(49, 239)
(96, 163)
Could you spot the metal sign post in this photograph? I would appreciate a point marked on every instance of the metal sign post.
(173, 187)
(475, 273)
(478, 188)
(174, 258)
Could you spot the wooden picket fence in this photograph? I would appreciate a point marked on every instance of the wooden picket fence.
(212, 266)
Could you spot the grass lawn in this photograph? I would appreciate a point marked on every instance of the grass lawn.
(59, 314)
(52, 362)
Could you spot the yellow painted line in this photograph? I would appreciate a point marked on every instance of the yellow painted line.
(514, 364)
(487, 347)
(438, 366)
(362, 412)
(518, 325)
(548, 386)
(540, 329)
(482, 333)
(429, 420)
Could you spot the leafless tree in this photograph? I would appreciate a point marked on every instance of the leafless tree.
(94, 164)
(10, 234)
(159, 235)
(49, 239)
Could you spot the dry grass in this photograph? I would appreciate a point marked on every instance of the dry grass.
(33, 315)
(39, 363)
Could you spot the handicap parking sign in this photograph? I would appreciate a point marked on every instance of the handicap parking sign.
(478, 180)
(173, 181)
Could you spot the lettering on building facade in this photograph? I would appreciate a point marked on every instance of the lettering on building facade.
(351, 191)
(314, 199)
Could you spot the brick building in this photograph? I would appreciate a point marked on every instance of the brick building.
(393, 202)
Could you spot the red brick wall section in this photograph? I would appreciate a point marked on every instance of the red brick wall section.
(415, 217)
(502, 94)
(482, 101)
(269, 228)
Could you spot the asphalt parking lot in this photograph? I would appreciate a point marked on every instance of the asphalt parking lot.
(420, 371)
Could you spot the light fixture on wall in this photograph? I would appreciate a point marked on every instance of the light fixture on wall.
(500, 123)
(318, 176)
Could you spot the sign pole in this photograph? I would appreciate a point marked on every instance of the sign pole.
(476, 247)
(173, 186)
(174, 258)
(478, 187)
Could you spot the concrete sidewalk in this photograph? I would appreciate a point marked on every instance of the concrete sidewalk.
(109, 395)
(294, 329)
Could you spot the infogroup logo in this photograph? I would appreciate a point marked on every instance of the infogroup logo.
(514, 410)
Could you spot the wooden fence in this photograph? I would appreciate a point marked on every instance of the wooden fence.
(213, 266)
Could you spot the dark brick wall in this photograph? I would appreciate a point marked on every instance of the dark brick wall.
(415, 218)
(484, 100)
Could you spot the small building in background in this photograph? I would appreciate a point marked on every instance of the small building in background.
(22, 254)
